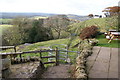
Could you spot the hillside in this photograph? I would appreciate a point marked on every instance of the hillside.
(100, 22)
(36, 46)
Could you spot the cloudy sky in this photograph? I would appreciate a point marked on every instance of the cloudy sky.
(79, 7)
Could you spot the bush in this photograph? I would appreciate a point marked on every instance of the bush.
(89, 32)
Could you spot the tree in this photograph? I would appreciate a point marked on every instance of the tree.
(111, 11)
(90, 15)
(113, 14)
(18, 33)
(38, 32)
(58, 23)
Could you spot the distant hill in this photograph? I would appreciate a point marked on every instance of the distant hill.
(6, 15)
(13, 15)
(78, 17)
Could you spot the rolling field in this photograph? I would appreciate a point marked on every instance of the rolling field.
(4, 27)
(102, 24)
(5, 21)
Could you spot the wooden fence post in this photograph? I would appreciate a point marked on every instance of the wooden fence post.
(20, 57)
(57, 56)
(15, 48)
(40, 54)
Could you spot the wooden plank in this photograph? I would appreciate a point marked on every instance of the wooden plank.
(39, 51)
(11, 53)
(49, 62)
(15, 49)
(48, 57)
(40, 54)
(6, 47)
(57, 56)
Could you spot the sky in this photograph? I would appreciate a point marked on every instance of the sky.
(78, 7)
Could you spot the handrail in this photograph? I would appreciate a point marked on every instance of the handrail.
(27, 52)
(6, 47)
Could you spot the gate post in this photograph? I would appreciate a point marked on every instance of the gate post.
(57, 56)
(67, 51)
(40, 55)
(15, 48)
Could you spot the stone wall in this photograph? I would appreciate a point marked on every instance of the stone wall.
(27, 70)
(80, 66)
(5, 67)
(39, 71)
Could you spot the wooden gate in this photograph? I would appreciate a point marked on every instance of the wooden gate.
(64, 55)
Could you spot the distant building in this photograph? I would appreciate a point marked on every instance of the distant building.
(97, 16)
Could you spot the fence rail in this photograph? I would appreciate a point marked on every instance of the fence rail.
(56, 56)
(27, 52)
(8, 47)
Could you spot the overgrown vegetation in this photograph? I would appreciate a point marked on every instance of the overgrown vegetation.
(88, 32)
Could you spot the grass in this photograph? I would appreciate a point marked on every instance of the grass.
(104, 42)
(36, 46)
(5, 21)
(39, 17)
(4, 27)
(100, 22)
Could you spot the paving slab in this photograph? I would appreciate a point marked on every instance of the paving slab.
(91, 59)
(113, 70)
(101, 65)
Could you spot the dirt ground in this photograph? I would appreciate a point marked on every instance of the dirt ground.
(24, 70)
(61, 71)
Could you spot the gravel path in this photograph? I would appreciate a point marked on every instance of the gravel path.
(61, 71)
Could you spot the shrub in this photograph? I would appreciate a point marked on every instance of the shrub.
(89, 32)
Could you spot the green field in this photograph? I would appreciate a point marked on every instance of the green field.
(4, 27)
(39, 17)
(5, 21)
(104, 42)
(101, 23)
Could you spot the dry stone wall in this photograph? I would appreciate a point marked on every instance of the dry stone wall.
(80, 67)
(26, 70)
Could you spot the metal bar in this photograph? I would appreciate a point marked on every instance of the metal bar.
(49, 62)
(48, 57)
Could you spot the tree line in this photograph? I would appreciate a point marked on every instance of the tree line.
(26, 30)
